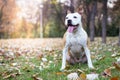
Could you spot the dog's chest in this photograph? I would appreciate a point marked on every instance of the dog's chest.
(74, 40)
(75, 44)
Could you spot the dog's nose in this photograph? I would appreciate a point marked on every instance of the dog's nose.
(69, 21)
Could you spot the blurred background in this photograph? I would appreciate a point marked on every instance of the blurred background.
(45, 18)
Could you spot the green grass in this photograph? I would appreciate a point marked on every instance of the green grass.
(30, 66)
(50, 73)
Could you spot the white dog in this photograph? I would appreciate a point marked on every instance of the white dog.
(75, 41)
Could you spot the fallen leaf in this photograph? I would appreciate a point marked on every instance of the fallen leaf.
(11, 75)
(83, 76)
(101, 58)
(60, 73)
(107, 72)
(92, 56)
(6, 77)
(114, 78)
(39, 55)
(35, 77)
(81, 71)
(115, 55)
(9, 54)
(116, 66)
(67, 67)
(1, 51)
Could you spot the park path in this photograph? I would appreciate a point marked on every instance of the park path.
(32, 43)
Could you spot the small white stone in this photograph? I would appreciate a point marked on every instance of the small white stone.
(44, 59)
(40, 67)
(118, 59)
(14, 64)
(92, 76)
(42, 64)
(72, 76)
(50, 62)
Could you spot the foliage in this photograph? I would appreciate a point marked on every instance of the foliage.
(111, 30)
(55, 27)
(12, 25)
(53, 30)
(8, 11)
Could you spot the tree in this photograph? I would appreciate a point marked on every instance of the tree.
(116, 11)
(104, 21)
(8, 12)
(92, 20)
(119, 35)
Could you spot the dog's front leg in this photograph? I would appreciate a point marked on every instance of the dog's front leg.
(87, 52)
(65, 51)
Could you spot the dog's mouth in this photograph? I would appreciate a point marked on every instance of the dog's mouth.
(71, 28)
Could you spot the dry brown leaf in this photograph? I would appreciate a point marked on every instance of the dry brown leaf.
(35, 77)
(18, 53)
(83, 76)
(81, 71)
(101, 58)
(107, 73)
(11, 75)
(67, 67)
(93, 57)
(61, 73)
(116, 66)
(1, 51)
(39, 55)
(115, 55)
(7, 76)
(114, 78)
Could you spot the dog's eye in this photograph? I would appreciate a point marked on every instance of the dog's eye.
(66, 18)
(74, 17)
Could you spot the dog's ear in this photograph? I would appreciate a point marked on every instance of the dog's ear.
(80, 9)
(68, 11)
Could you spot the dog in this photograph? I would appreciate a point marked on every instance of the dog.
(75, 42)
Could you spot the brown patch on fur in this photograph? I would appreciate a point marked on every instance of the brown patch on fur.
(80, 9)
(64, 38)
(88, 42)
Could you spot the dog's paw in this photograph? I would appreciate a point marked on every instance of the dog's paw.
(62, 68)
(91, 67)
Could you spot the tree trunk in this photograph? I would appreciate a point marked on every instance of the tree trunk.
(88, 16)
(104, 21)
(119, 35)
(92, 20)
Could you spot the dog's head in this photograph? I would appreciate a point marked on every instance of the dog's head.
(73, 21)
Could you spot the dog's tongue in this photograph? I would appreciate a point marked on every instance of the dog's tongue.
(70, 29)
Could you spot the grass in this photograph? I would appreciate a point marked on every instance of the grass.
(31, 67)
